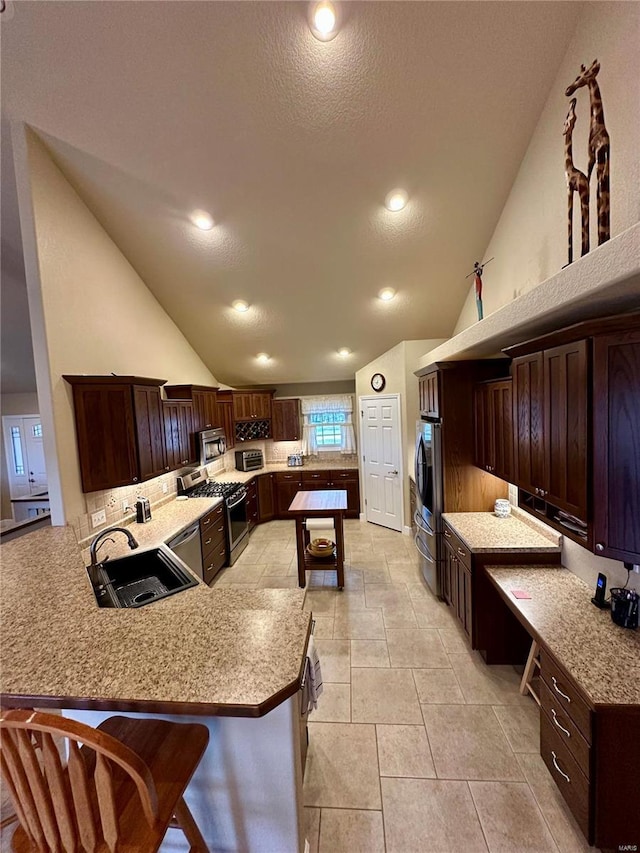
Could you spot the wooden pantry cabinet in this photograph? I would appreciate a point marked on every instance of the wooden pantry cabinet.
(119, 430)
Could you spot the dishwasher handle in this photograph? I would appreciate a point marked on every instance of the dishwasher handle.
(186, 536)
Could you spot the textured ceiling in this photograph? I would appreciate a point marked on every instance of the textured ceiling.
(155, 108)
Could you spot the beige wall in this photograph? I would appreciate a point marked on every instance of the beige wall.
(12, 404)
(530, 240)
(90, 311)
(397, 366)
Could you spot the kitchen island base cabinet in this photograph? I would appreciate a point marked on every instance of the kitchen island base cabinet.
(246, 793)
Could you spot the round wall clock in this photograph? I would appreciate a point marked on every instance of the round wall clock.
(378, 382)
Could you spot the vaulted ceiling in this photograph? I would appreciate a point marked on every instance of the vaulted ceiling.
(153, 109)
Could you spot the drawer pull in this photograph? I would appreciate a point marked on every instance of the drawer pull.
(208, 521)
(447, 534)
(557, 689)
(221, 554)
(462, 553)
(555, 720)
(220, 529)
(208, 542)
(555, 764)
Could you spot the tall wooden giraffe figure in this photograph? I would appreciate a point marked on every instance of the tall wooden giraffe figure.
(598, 145)
(576, 183)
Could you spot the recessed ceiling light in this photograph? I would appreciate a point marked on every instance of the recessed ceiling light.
(241, 306)
(344, 352)
(324, 20)
(386, 294)
(202, 220)
(263, 357)
(396, 200)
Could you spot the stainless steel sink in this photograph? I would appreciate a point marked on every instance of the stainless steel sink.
(139, 579)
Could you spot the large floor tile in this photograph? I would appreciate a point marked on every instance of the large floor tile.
(430, 612)
(565, 830)
(373, 571)
(384, 696)
(342, 767)
(416, 647)
(335, 659)
(404, 751)
(394, 600)
(510, 818)
(350, 601)
(351, 831)
(369, 653)
(312, 828)
(323, 627)
(438, 687)
(334, 704)
(467, 742)
(487, 685)
(320, 601)
(405, 572)
(359, 625)
(277, 582)
(430, 816)
(454, 640)
(521, 725)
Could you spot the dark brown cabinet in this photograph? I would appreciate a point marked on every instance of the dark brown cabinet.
(349, 480)
(457, 580)
(225, 417)
(204, 401)
(266, 497)
(616, 446)
(550, 391)
(251, 405)
(286, 420)
(252, 504)
(287, 485)
(213, 543)
(120, 430)
(429, 394)
(178, 430)
(493, 415)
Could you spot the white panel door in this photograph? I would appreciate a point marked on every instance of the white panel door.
(382, 456)
(35, 455)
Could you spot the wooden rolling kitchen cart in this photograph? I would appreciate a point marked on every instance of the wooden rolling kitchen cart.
(330, 503)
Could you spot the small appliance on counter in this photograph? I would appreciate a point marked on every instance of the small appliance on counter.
(249, 460)
(294, 460)
(624, 607)
(143, 510)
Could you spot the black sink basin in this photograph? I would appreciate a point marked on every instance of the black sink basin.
(139, 579)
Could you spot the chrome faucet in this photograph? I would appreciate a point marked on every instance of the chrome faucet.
(96, 544)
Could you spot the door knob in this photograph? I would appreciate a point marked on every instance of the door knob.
(393, 472)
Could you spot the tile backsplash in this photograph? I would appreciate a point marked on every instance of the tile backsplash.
(112, 500)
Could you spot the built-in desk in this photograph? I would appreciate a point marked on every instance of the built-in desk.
(590, 698)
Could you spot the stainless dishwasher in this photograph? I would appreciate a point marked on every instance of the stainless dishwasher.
(187, 547)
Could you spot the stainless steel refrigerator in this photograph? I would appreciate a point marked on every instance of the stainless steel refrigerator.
(429, 501)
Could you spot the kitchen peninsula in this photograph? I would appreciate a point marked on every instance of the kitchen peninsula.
(230, 659)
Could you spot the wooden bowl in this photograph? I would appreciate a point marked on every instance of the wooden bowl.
(321, 547)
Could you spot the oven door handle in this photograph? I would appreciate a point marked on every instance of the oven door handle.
(239, 501)
(426, 556)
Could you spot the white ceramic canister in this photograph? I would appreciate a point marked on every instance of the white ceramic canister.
(502, 508)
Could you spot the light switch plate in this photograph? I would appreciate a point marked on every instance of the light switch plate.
(98, 518)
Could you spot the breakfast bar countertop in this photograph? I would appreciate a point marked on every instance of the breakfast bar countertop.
(602, 657)
(206, 651)
(484, 532)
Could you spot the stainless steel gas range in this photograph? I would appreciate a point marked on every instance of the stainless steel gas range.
(196, 484)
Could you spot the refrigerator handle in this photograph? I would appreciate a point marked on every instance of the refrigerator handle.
(426, 556)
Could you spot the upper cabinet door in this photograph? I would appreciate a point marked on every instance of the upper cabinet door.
(286, 420)
(616, 443)
(566, 371)
(149, 431)
(500, 411)
(528, 419)
(429, 396)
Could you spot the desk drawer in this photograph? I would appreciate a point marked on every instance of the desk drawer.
(573, 784)
(567, 730)
(565, 693)
(460, 550)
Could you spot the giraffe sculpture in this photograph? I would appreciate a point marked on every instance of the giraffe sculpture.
(598, 145)
(576, 183)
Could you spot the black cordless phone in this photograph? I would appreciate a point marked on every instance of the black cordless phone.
(601, 587)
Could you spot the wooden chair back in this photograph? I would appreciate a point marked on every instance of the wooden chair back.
(66, 807)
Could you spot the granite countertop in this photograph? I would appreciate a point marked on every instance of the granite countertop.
(274, 467)
(203, 651)
(602, 657)
(484, 532)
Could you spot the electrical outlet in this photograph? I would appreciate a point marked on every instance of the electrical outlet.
(165, 488)
(98, 518)
(125, 506)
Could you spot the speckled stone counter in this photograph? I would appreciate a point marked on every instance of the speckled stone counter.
(201, 651)
(603, 658)
(484, 532)
(274, 467)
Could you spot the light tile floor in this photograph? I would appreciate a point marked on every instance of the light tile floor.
(416, 745)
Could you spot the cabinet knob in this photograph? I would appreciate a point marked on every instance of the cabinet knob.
(537, 491)
(134, 480)
(166, 468)
(599, 546)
